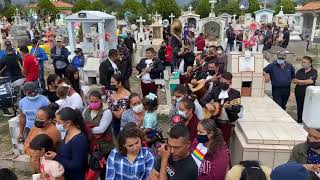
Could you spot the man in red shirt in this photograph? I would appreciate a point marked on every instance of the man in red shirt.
(200, 42)
(30, 65)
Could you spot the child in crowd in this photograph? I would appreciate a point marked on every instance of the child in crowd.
(150, 125)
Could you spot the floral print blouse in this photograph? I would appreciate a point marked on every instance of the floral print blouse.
(115, 105)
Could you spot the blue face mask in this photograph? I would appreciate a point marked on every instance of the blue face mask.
(182, 113)
(62, 130)
(280, 61)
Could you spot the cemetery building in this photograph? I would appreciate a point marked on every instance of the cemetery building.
(310, 17)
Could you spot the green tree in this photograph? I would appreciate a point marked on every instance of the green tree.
(98, 6)
(253, 6)
(9, 11)
(81, 5)
(45, 8)
(230, 8)
(288, 6)
(203, 8)
(135, 8)
(166, 7)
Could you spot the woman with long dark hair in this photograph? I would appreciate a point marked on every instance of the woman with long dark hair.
(209, 151)
(249, 170)
(74, 78)
(117, 99)
(73, 150)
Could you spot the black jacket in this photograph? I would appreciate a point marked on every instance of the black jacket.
(214, 95)
(125, 66)
(106, 71)
(155, 71)
(62, 57)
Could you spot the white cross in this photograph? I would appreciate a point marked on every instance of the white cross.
(190, 9)
(234, 17)
(281, 8)
(212, 3)
(171, 17)
(265, 4)
(141, 21)
(157, 16)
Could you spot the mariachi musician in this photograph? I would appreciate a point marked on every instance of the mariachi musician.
(149, 68)
(226, 105)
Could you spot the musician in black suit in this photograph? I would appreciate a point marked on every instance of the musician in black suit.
(147, 80)
(125, 65)
(223, 94)
(108, 67)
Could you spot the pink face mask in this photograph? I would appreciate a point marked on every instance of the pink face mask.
(95, 105)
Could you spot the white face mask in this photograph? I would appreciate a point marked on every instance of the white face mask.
(62, 130)
(33, 97)
(138, 108)
(219, 52)
(182, 113)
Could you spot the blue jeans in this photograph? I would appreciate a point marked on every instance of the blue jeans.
(41, 75)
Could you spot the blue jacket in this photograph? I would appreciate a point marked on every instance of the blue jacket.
(40, 54)
(62, 57)
(78, 61)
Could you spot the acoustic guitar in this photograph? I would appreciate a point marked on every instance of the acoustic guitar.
(217, 108)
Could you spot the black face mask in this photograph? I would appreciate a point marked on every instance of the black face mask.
(39, 124)
(313, 145)
(113, 88)
(212, 72)
(224, 86)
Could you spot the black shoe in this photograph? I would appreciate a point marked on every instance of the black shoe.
(7, 113)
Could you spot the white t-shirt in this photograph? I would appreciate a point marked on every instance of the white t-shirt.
(64, 103)
(76, 101)
(146, 78)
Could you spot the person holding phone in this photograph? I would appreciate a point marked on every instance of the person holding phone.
(175, 162)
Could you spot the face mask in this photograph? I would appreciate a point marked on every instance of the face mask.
(95, 105)
(39, 124)
(33, 97)
(313, 145)
(182, 113)
(138, 108)
(224, 86)
(219, 52)
(62, 130)
(202, 138)
(305, 66)
(280, 61)
(211, 72)
(178, 100)
(113, 88)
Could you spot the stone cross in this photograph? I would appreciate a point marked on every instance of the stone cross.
(281, 8)
(234, 18)
(212, 14)
(265, 4)
(190, 9)
(141, 21)
(171, 17)
(157, 16)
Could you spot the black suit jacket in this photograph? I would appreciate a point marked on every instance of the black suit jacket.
(125, 66)
(106, 71)
(155, 71)
(214, 95)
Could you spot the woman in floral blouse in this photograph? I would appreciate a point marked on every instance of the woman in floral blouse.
(117, 99)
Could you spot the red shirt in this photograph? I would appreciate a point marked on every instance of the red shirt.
(192, 127)
(200, 43)
(169, 52)
(31, 68)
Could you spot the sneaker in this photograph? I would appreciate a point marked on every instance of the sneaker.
(7, 113)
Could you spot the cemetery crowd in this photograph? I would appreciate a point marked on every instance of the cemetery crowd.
(113, 133)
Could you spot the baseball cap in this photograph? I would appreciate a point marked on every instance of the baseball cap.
(7, 43)
(77, 50)
(30, 87)
(290, 170)
(59, 39)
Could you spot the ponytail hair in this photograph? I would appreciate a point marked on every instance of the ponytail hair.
(75, 116)
(252, 171)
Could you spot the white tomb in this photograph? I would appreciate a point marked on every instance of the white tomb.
(213, 29)
(264, 16)
(190, 18)
(227, 17)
